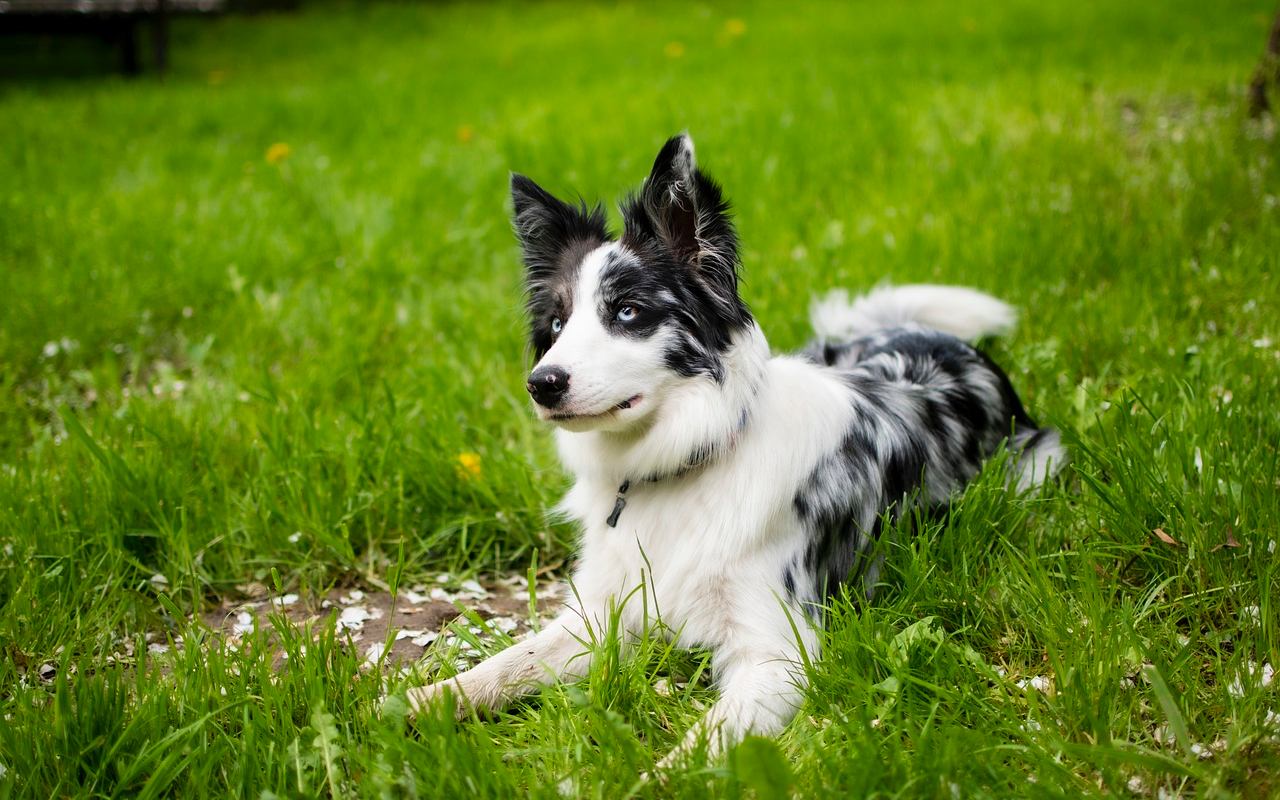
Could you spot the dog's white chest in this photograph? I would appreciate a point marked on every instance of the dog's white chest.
(679, 551)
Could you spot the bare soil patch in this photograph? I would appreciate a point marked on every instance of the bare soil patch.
(400, 630)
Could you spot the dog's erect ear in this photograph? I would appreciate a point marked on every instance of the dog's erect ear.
(550, 229)
(685, 211)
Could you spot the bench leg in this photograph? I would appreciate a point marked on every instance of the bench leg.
(160, 36)
(128, 38)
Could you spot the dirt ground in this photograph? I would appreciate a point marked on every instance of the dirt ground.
(423, 616)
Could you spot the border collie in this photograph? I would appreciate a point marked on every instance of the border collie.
(737, 490)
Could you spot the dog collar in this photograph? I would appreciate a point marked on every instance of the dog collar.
(700, 458)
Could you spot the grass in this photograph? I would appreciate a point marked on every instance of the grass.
(305, 369)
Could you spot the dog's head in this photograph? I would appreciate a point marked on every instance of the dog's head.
(618, 324)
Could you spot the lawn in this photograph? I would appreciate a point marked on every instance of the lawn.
(261, 331)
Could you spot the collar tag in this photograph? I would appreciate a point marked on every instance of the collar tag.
(619, 504)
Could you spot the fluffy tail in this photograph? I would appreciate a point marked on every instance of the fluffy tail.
(964, 313)
(1037, 453)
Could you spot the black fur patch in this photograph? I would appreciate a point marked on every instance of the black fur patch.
(555, 237)
(679, 230)
(929, 408)
(667, 296)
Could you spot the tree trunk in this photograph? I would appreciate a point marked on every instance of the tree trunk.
(1268, 72)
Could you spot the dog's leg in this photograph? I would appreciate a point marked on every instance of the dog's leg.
(761, 683)
(558, 651)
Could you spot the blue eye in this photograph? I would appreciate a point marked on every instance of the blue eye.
(626, 314)
(556, 325)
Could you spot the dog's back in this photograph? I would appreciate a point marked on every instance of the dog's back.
(930, 408)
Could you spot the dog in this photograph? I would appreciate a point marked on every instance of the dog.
(736, 490)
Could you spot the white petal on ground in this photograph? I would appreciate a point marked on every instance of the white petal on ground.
(408, 634)
(505, 624)
(354, 617)
(286, 599)
(244, 623)
(1264, 675)
(473, 588)
(374, 653)
(440, 594)
(355, 596)
(415, 598)
(1040, 683)
(426, 638)
(157, 648)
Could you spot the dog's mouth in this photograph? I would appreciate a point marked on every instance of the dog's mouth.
(629, 403)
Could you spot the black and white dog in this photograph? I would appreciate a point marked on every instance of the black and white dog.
(737, 490)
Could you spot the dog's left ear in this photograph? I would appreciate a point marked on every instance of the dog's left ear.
(685, 210)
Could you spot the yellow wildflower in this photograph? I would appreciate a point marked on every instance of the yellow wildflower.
(469, 465)
(277, 152)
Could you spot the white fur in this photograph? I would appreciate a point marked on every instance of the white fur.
(964, 313)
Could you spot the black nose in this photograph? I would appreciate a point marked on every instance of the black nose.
(548, 385)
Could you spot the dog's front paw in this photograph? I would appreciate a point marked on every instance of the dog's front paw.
(422, 698)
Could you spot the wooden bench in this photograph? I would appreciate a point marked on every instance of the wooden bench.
(117, 21)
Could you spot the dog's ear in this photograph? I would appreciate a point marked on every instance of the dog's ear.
(549, 228)
(684, 209)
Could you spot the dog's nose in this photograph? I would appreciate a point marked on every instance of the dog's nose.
(547, 385)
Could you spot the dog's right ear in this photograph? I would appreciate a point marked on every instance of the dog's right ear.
(549, 228)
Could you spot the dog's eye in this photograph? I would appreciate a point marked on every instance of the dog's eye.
(626, 314)
(556, 325)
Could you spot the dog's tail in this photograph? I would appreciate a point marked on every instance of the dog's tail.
(1037, 453)
(965, 313)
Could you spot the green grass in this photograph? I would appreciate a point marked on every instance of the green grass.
(223, 370)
